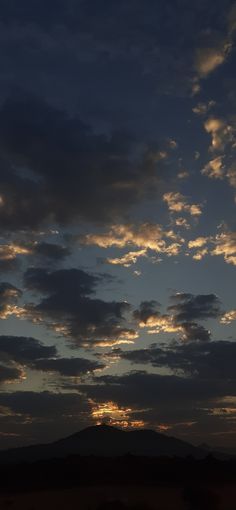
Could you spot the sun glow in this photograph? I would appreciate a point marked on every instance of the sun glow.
(112, 414)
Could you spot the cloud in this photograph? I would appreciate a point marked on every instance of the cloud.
(162, 398)
(231, 176)
(68, 308)
(68, 367)
(31, 415)
(128, 259)
(203, 108)
(181, 320)
(21, 352)
(188, 307)
(146, 310)
(209, 58)
(205, 360)
(12, 253)
(228, 317)
(223, 244)
(64, 171)
(24, 349)
(10, 374)
(215, 168)
(177, 203)
(146, 236)
(182, 222)
(149, 316)
(9, 295)
(221, 133)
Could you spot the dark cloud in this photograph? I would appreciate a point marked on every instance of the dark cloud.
(146, 310)
(182, 315)
(188, 307)
(25, 350)
(39, 411)
(9, 295)
(214, 360)
(161, 397)
(9, 265)
(68, 306)
(63, 281)
(70, 367)
(33, 354)
(195, 332)
(52, 251)
(8, 292)
(72, 173)
(43, 405)
(9, 374)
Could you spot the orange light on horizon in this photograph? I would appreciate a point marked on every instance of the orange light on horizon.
(112, 414)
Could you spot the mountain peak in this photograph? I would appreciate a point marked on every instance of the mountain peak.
(102, 428)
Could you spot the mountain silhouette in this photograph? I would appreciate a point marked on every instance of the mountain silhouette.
(104, 440)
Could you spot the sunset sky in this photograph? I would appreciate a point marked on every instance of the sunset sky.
(117, 218)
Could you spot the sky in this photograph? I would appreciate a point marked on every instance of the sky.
(117, 218)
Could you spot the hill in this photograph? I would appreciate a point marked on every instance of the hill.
(106, 441)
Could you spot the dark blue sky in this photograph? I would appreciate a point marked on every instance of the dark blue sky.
(117, 218)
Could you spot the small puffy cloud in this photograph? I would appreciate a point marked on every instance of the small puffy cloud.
(9, 295)
(183, 174)
(207, 59)
(199, 242)
(221, 133)
(182, 222)
(225, 244)
(128, 259)
(177, 203)
(228, 317)
(215, 168)
(172, 143)
(200, 254)
(203, 108)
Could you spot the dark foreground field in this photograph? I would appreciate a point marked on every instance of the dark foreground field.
(124, 483)
(110, 497)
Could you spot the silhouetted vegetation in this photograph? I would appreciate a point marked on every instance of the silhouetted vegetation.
(200, 498)
(76, 471)
(120, 505)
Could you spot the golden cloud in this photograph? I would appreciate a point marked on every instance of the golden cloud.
(208, 59)
(228, 317)
(146, 236)
(177, 203)
(215, 168)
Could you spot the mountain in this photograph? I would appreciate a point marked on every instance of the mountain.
(104, 440)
